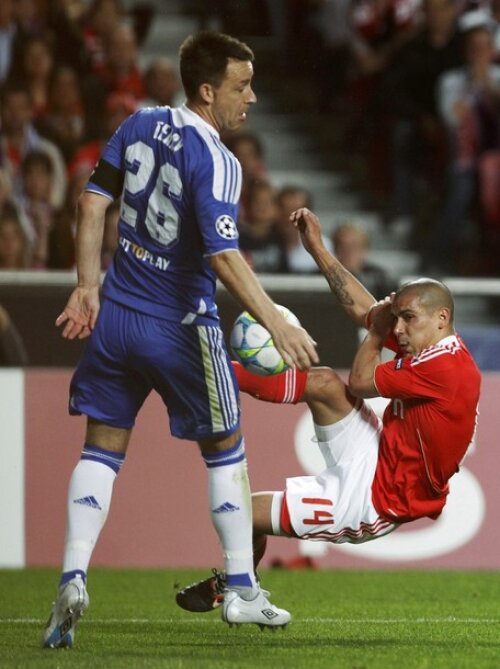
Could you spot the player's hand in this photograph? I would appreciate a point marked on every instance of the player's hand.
(309, 228)
(380, 318)
(296, 346)
(80, 313)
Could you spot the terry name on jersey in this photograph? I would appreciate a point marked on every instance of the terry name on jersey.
(166, 134)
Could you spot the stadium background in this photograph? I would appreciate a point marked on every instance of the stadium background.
(159, 515)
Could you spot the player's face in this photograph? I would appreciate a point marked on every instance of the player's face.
(416, 326)
(234, 96)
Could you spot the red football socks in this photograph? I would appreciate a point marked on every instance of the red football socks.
(285, 388)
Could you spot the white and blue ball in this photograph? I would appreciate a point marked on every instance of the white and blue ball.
(253, 346)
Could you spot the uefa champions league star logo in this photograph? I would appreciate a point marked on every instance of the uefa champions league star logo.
(226, 227)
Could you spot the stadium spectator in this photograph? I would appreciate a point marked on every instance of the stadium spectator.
(333, 57)
(297, 260)
(469, 101)
(249, 151)
(38, 175)
(13, 242)
(102, 18)
(64, 119)
(5, 188)
(260, 240)
(495, 12)
(161, 83)
(159, 329)
(120, 72)
(381, 27)
(29, 15)
(35, 69)
(64, 25)
(379, 473)
(417, 143)
(117, 108)
(351, 245)
(18, 137)
(11, 38)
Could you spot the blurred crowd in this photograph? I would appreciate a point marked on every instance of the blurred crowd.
(69, 76)
(414, 86)
(268, 240)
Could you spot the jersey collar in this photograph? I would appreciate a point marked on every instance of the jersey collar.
(446, 341)
(197, 120)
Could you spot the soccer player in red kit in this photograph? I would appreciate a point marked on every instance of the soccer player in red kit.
(379, 474)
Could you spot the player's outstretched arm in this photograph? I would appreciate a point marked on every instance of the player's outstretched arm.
(80, 313)
(295, 345)
(352, 295)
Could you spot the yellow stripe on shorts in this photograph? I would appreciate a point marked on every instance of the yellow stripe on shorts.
(221, 396)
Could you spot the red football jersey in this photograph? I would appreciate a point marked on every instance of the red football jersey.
(428, 427)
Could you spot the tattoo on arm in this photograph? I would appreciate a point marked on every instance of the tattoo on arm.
(336, 281)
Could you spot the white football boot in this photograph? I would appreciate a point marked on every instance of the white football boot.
(237, 611)
(71, 603)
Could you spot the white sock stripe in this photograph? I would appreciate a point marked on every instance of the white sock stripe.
(290, 383)
(287, 386)
(103, 456)
(223, 456)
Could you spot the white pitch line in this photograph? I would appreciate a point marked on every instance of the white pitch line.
(321, 621)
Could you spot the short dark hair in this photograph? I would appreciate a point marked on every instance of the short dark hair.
(204, 56)
(37, 158)
(14, 86)
(242, 137)
(291, 189)
(433, 294)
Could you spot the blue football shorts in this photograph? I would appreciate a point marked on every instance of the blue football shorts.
(129, 354)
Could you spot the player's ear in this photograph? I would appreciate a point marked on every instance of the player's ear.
(444, 317)
(206, 92)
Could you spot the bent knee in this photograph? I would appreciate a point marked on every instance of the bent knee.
(324, 383)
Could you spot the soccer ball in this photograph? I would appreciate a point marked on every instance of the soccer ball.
(252, 344)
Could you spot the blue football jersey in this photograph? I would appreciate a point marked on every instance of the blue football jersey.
(179, 206)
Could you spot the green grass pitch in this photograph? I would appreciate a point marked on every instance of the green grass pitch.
(341, 620)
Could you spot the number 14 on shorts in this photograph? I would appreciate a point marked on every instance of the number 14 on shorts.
(320, 516)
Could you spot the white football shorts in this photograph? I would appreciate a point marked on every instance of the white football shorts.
(337, 504)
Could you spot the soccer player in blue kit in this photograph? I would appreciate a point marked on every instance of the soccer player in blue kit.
(155, 326)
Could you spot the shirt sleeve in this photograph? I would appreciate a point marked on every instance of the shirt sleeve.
(407, 378)
(217, 188)
(112, 155)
